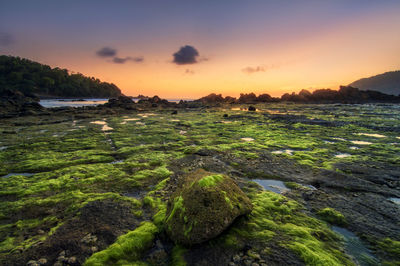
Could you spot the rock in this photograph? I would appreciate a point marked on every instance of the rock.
(61, 258)
(14, 103)
(158, 256)
(121, 102)
(89, 239)
(247, 262)
(42, 261)
(32, 263)
(94, 249)
(252, 108)
(203, 207)
(72, 260)
(236, 258)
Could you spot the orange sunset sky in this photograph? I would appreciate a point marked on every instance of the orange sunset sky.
(240, 46)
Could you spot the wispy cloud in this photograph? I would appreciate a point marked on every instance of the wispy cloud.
(189, 72)
(107, 52)
(120, 60)
(251, 70)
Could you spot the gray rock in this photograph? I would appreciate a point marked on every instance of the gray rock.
(42, 261)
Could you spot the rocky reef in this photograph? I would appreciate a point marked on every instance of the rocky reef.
(119, 184)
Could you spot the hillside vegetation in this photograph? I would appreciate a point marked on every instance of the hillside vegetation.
(388, 83)
(34, 78)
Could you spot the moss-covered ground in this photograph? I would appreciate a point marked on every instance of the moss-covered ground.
(54, 166)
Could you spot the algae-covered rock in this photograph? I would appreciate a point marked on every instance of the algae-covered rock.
(204, 206)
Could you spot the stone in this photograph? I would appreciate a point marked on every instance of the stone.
(72, 260)
(42, 261)
(203, 206)
(236, 258)
(32, 263)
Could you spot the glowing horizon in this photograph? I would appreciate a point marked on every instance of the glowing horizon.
(262, 47)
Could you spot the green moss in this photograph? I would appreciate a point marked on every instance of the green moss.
(332, 216)
(211, 180)
(275, 217)
(7, 244)
(390, 246)
(178, 253)
(177, 208)
(128, 247)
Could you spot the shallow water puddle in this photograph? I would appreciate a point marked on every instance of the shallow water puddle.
(104, 123)
(355, 248)
(276, 186)
(106, 128)
(395, 200)
(360, 142)
(342, 155)
(146, 115)
(371, 135)
(134, 194)
(15, 174)
(99, 122)
(289, 152)
(341, 139)
(118, 161)
(247, 139)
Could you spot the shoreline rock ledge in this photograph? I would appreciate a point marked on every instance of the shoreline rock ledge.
(203, 207)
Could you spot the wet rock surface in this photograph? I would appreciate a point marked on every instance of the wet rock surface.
(97, 226)
(155, 157)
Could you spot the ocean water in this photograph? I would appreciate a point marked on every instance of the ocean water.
(50, 103)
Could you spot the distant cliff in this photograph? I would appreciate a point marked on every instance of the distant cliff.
(388, 83)
(345, 94)
(34, 78)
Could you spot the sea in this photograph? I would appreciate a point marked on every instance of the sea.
(51, 103)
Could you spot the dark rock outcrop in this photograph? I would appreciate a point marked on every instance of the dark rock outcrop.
(16, 103)
(203, 207)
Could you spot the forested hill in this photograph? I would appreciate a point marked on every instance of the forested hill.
(34, 78)
(388, 83)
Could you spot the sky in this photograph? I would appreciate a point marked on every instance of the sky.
(188, 49)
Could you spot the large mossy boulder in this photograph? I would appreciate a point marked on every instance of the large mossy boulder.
(203, 207)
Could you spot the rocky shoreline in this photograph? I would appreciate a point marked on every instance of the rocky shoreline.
(95, 189)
